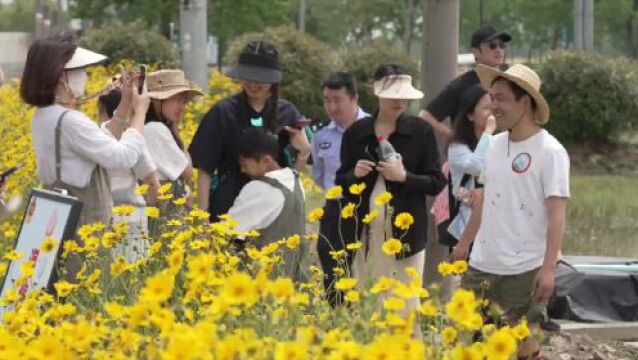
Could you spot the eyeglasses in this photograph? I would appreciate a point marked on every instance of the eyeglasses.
(496, 44)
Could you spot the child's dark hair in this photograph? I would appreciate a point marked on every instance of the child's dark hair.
(256, 143)
(464, 128)
(341, 80)
(110, 101)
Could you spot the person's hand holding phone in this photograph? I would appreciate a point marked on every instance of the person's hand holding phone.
(299, 140)
(363, 167)
(140, 101)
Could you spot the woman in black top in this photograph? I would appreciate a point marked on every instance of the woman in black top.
(214, 147)
(415, 173)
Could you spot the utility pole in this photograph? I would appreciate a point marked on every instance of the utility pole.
(194, 40)
(438, 67)
(584, 24)
(302, 16)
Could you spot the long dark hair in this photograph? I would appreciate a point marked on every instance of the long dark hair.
(152, 115)
(270, 112)
(463, 132)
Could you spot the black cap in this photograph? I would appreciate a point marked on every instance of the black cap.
(488, 33)
(259, 62)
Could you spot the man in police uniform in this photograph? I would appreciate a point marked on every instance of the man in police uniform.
(341, 102)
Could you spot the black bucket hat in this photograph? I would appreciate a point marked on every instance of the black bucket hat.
(258, 62)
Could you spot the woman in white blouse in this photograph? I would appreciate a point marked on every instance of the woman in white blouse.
(72, 152)
(473, 129)
(169, 92)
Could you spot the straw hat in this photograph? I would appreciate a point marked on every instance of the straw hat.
(82, 58)
(396, 87)
(163, 84)
(522, 76)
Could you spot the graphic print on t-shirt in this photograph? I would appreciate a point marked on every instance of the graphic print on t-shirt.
(521, 163)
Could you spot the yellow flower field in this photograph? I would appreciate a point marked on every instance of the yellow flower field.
(197, 297)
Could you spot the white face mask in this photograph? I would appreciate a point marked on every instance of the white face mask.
(76, 80)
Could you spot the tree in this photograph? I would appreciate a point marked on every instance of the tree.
(17, 16)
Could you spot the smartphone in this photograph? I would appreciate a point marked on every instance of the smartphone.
(301, 124)
(140, 86)
(5, 174)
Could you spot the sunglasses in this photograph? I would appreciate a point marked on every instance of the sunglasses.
(497, 44)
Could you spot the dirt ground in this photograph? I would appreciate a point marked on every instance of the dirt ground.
(562, 346)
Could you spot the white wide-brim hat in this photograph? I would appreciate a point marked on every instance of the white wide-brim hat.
(522, 76)
(396, 87)
(82, 58)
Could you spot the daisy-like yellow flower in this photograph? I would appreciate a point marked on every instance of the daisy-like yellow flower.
(123, 210)
(345, 284)
(64, 288)
(165, 197)
(392, 247)
(13, 255)
(239, 288)
(501, 345)
(383, 284)
(334, 192)
(428, 308)
(347, 211)
(459, 267)
(142, 189)
(354, 246)
(281, 289)
(393, 304)
(448, 335)
(370, 216)
(48, 245)
(445, 268)
(352, 296)
(152, 211)
(383, 198)
(403, 221)
(179, 201)
(315, 215)
(158, 288)
(293, 241)
(165, 188)
(521, 331)
(357, 189)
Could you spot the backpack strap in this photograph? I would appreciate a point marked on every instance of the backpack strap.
(453, 202)
(58, 151)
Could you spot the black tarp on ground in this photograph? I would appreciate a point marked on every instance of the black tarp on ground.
(595, 295)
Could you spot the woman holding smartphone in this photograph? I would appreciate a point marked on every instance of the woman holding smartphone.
(409, 174)
(72, 152)
(214, 148)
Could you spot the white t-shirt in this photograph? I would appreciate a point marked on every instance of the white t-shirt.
(82, 145)
(518, 177)
(259, 204)
(170, 160)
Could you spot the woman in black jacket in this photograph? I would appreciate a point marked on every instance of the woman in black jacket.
(415, 174)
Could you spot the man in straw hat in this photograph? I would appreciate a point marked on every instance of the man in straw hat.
(520, 229)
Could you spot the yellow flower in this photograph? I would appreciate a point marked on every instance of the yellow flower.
(347, 211)
(315, 215)
(337, 254)
(346, 284)
(466, 353)
(118, 267)
(281, 289)
(165, 197)
(123, 210)
(158, 288)
(13, 255)
(428, 308)
(501, 345)
(392, 247)
(48, 244)
(357, 189)
(459, 267)
(180, 201)
(239, 288)
(448, 335)
(152, 211)
(142, 189)
(291, 351)
(383, 198)
(293, 241)
(354, 246)
(64, 288)
(334, 192)
(393, 304)
(370, 216)
(403, 221)
(383, 284)
(165, 188)
(521, 331)
(445, 268)
(352, 296)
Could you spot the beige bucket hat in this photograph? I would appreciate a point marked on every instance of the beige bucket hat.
(396, 87)
(522, 76)
(163, 84)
